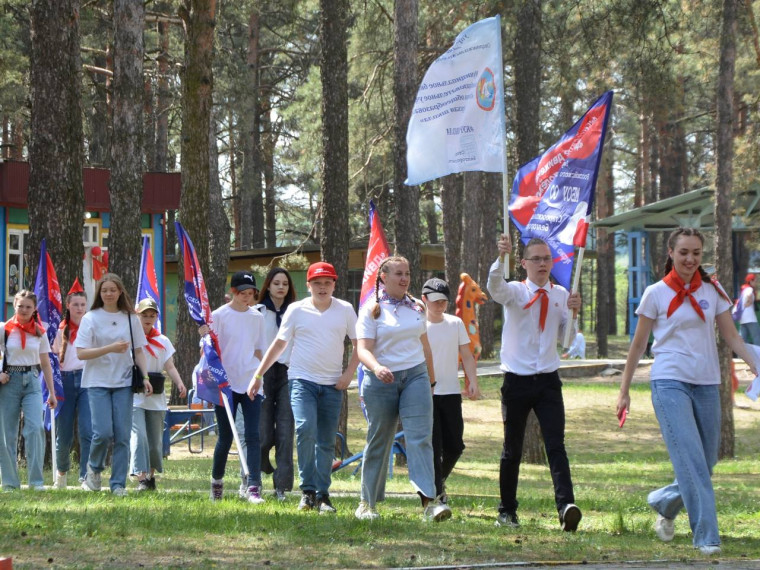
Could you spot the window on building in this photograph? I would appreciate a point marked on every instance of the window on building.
(17, 271)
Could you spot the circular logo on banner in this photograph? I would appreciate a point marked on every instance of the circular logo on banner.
(485, 91)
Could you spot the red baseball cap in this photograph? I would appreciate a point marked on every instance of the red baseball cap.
(321, 269)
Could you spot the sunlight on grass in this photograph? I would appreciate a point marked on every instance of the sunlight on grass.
(613, 470)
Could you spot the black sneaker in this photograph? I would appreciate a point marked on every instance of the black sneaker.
(508, 519)
(308, 501)
(569, 517)
(324, 505)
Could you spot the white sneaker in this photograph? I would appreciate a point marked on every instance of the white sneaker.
(91, 481)
(663, 528)
(437, 511)
(709, 549)
(37, 487)
(60, 481)
(366, 513)
(119, 492)
(254, 495)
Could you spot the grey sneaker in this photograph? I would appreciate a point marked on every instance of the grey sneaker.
(91, 481)
(437, 511)
(60, 481)
(119, 492)
(664, 528)
(569, 517)
(143, 485)
(280, 494)
(508, 519)
(308, 501)
(217, 490)
(366, 513)
(243, 489)
(709, 549)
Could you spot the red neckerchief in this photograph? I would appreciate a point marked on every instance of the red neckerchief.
(720, 290)
(544, 296)
(673, 281)
(151, 341)
(30, 327)
(73, 329)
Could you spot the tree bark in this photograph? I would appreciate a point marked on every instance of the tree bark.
(527, 56)
(406, 198)
(724, 185)
(489, 231)
(197, 87)
(452, 192)
(56, 147)
(605, 247)
(125, 186)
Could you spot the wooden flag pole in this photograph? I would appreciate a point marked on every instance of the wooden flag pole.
(576, 283)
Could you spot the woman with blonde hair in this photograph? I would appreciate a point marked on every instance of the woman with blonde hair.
(25, 350)
(106, 336)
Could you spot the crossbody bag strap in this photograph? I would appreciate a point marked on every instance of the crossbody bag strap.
(131, 338)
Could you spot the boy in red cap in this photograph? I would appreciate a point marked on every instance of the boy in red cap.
(317, 325)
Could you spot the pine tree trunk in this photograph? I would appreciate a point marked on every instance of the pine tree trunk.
(127, 169)
(197, 87)
(473, 216)
(452, 194)
(605, 248)
(407, 198)
(724, 185)
(489, 231)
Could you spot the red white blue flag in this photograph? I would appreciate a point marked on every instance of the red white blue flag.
(49, 311)
(147, 284)
(200, 311)
(552, 195)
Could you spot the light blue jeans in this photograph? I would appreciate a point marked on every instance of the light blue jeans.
(316, 412)
(21, 392)
(409, 397)
(76, 406)
(147, 442)
(689, 416)
(111, 412)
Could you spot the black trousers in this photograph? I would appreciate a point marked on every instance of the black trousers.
(541, 393)
(448, 431)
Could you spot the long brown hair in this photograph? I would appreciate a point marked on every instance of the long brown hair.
(124, 303)
(290, 296)
(65, 322)
(27, 294)
(673, 239)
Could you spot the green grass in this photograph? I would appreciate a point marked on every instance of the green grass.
(613, 470)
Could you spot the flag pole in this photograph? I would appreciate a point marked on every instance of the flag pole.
(576, 283)
(241, 452)
(504, 176)
(53, 443)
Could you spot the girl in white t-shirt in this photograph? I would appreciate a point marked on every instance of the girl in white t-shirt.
(398, 383)
(148, 413)
(25, 351)
(76, 405)
(681, 311)
(104, 341)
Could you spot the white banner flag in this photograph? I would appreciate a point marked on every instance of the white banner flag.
(457, 123)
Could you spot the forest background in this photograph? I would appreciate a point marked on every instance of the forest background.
(286, 117)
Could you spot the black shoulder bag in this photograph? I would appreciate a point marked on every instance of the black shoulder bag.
(137, 375)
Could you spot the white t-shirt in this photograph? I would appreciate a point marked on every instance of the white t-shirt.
(98, 329)
(156, 363)
(525, 348)
(30, 355)
(270, 332)
(317, 339)
(396, 332)
(445, 338)
(240, 333)
(684, 345)
(71, 361)
(748, 304)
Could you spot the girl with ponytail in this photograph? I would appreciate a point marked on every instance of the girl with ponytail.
(77, 406)
(681, 311)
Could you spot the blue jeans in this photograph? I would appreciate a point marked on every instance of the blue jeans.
(76, 406)
(316, 412)
(111, 413)
(147, 442)
(750, 333)
(251, 410)
(689, 416)
(409, 397)
(21, 392)
(276, 427)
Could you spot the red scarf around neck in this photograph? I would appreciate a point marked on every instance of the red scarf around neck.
(544, 296)
(73, 329)
(674, 281)
(151, 336)
(31, 327)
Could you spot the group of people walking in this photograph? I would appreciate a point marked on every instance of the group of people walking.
(284, 360)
